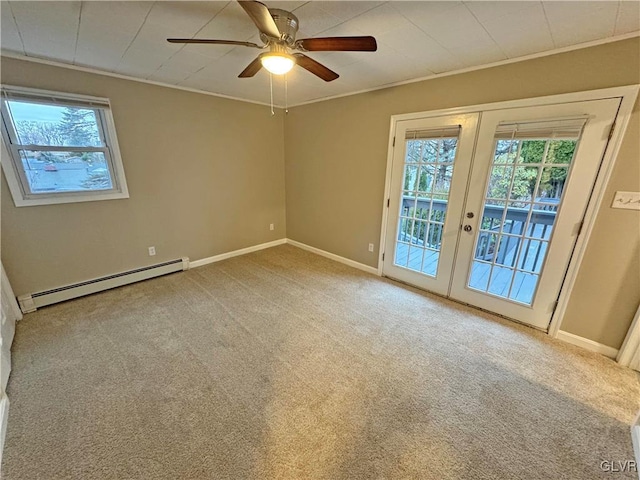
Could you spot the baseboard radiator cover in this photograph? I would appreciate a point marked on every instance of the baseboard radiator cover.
(4, 416)
(31, 302)
(635, 439)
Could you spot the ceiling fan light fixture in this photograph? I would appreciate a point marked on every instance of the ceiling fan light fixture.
(277, 63)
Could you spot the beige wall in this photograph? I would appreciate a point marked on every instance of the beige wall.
(336, 153)
(205, 176)
(607, 290)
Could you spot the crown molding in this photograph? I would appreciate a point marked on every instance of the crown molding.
(96, 71)
(547, 53)
(555, 51)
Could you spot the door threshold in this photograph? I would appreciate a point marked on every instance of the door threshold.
(459, 302)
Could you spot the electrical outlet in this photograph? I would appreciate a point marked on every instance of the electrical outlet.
(152, 251)
(371, 247)
(271, 226)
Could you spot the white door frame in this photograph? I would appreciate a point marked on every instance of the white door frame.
(627, 94)
(10, 314)
(629, 355)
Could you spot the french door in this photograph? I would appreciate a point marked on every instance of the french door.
(486, 207)
(431, 168)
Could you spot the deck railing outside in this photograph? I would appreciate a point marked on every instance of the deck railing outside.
(540, 226)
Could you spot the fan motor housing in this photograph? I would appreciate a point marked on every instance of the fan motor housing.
(287, 23)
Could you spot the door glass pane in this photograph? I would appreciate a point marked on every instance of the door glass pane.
(427, 179)
(522, 199)
(410, 177)
(523, 184)
(506, 152)
(551, 185)
(499, 182)
(532, 151)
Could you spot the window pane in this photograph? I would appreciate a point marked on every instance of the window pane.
(500, 280)
(426, 186)
(430, 151)
(522, 199)
(402, 254)
(49, 172)
(447, 151)
(410, 177)
(479, 275)
(506, 151)
(524, 183)
(414, 150)
(552, 185)
(523, 287)
(51, 125)
(561, 151)
(532, 151)
(499, 182)
(430, 262)
(425, 182)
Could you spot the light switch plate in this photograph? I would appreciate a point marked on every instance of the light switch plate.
(627, 200)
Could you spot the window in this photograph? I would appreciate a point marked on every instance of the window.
(59, 148)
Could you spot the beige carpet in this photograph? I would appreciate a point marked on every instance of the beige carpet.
(283, 364)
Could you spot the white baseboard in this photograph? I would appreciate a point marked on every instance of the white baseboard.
(4, 415)
(281, 241)
(588, 344)
(236, 253)
(333, 256)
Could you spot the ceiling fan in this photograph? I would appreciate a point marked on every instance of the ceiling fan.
(278, 30)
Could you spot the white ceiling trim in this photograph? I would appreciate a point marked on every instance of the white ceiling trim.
(53, 63)
(532, 56)
(547, 53)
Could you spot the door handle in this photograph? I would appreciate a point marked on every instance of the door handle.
(467, 228)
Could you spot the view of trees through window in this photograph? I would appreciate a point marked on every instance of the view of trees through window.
(526, 175)
(527, 160)
(54, 170)
(523, 195)
(427, 181)
(437, 157)
(76, 128)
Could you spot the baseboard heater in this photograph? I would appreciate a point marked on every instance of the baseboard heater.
(30, 303)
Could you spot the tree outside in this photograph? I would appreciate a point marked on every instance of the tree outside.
(77, 128)
(555, 168)
(428, 175)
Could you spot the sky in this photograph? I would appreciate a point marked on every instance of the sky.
(35, 112)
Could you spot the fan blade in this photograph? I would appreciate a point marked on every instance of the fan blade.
(338, 44)
(310, 65)
(260, 15)
(207, 41)
(253, 68)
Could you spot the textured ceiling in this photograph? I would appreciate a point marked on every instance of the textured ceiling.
(415, 39)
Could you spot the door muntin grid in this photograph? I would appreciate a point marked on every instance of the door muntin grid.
(428, 172)
(523, 196)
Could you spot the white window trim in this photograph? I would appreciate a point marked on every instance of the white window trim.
(22, 199)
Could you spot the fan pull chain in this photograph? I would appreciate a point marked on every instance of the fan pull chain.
(271, 89)
(286, 95)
